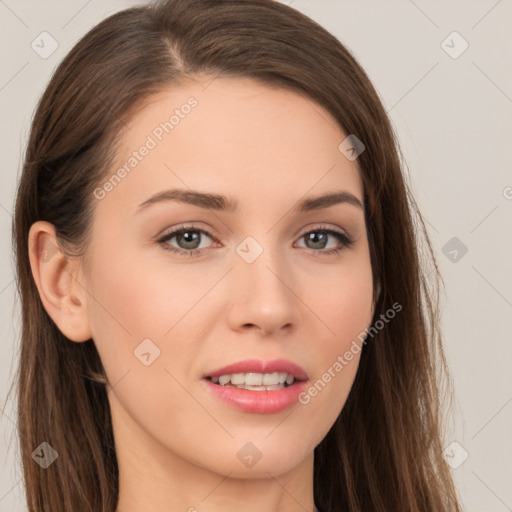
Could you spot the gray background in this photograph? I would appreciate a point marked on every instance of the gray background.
(452, 114)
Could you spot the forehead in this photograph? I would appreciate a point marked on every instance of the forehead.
(232, 136)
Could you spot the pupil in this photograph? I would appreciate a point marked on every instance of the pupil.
(190, 237)
(314, 236)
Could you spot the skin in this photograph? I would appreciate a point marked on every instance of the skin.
(177, 444)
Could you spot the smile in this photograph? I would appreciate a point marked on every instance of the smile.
(255, 381)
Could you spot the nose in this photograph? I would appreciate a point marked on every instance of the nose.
(262, 296)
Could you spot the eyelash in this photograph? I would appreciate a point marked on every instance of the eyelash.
(345, 240)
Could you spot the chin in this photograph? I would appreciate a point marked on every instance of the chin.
(253, 459)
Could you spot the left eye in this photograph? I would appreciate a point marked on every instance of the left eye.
(189, 239)
(320, 237)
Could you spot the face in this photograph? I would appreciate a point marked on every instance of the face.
(181, 286)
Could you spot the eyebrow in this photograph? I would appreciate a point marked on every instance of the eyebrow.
(222, 203)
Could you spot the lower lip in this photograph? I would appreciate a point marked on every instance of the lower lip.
(259, 402)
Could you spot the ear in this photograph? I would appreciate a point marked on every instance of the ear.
(63, 296)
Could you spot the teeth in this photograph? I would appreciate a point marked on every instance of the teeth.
(271, 379)
(255, 381)
(224, 379)
(238, 378)
(252, 379)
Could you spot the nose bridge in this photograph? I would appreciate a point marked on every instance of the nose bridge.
(263, 297)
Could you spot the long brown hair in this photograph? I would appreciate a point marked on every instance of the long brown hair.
(384, 452)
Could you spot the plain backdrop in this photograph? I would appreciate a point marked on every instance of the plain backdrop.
(443, 71)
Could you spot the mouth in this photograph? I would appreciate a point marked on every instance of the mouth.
(263, 392)
(258, 375)
(256, 381)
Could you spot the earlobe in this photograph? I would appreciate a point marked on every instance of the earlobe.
(63, 297)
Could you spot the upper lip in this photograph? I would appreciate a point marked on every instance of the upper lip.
(259, 366)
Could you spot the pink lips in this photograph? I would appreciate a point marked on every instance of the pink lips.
(260, 402)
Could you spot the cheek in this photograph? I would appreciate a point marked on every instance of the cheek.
(345, 310)
(144, 338)
(342, 301)
(134, 300)
(129, 306)
(144, 320)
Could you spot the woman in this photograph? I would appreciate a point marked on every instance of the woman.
(217, 259)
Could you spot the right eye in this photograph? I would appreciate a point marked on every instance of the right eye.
(188, 237)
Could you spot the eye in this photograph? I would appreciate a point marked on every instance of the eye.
(318, 240)
(188, 238)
